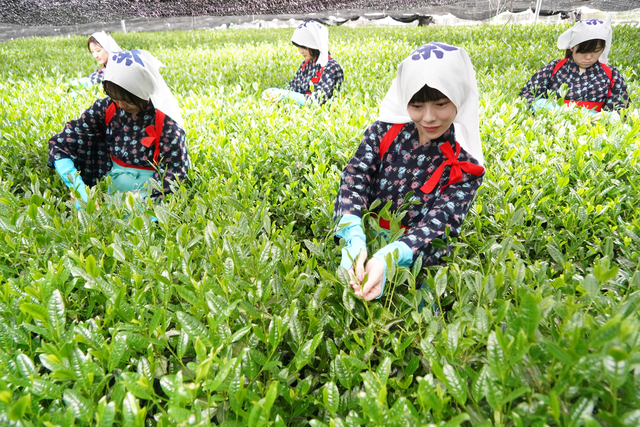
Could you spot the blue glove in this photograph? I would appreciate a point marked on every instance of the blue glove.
(356, 240)
(544, 104)
(81, 82)
(84, 81)
(284, 94)
(613, 117)
(405, 258)
(66, 170)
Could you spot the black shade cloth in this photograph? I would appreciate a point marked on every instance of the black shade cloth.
(75, 12)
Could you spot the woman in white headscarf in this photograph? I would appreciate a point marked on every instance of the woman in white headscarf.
(132, 135)
(426, 142)
(319, 76)
(592, 83)
(101, 45)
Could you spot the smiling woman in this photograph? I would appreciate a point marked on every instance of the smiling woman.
(432, 112)
(428, 121)
(101, 45)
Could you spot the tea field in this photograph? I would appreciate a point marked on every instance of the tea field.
(230, 309)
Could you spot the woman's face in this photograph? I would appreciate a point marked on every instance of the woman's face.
(306, 53)
(99, 53)
(432, 118)
(126, 106)
(586, 60)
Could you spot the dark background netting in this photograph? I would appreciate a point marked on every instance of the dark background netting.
(73, 12)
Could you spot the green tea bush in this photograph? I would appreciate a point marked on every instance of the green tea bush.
(230, 310)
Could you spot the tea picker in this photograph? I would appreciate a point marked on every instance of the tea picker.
(425, 146)
(132, 135)
(591, 82)
(101, 45)
(319, 76)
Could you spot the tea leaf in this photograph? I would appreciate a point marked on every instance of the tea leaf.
(616, 371)
(241, 332)
(582, 407)
(331, 397)
(457, 420)
(455, 385)
(118, 252)
(307, 351)
(384, 369)
(118, 348)
(342, 373)
(106, 413)
(19, 409)
(25, 366)
(55, 309)
(193, 327)
(530, 314)
(80, 406)
(222, 374)
(556, 255)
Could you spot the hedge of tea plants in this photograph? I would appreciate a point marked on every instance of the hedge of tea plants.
(230, 310)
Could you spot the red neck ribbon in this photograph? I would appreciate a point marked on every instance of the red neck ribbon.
(456, 169)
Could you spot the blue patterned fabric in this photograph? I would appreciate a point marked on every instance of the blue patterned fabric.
(406, 166)
(590, 86)
(97, 76)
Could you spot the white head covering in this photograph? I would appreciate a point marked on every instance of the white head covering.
(106, 41)
(137, 71)
(588, 30)
(449, 70)
(315, 36)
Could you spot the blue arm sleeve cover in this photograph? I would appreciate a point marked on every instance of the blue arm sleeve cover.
(66, 170)
(354, 235)
(350, 226)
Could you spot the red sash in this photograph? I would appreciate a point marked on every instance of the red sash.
(389, 137)
(387, 225)
(596, 106)
(153, 138)
(127, 165)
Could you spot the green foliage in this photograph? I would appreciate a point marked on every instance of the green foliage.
(231, 311)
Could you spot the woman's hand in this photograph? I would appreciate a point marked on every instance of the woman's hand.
(271, 95)
(358, 275)
(375, 275)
